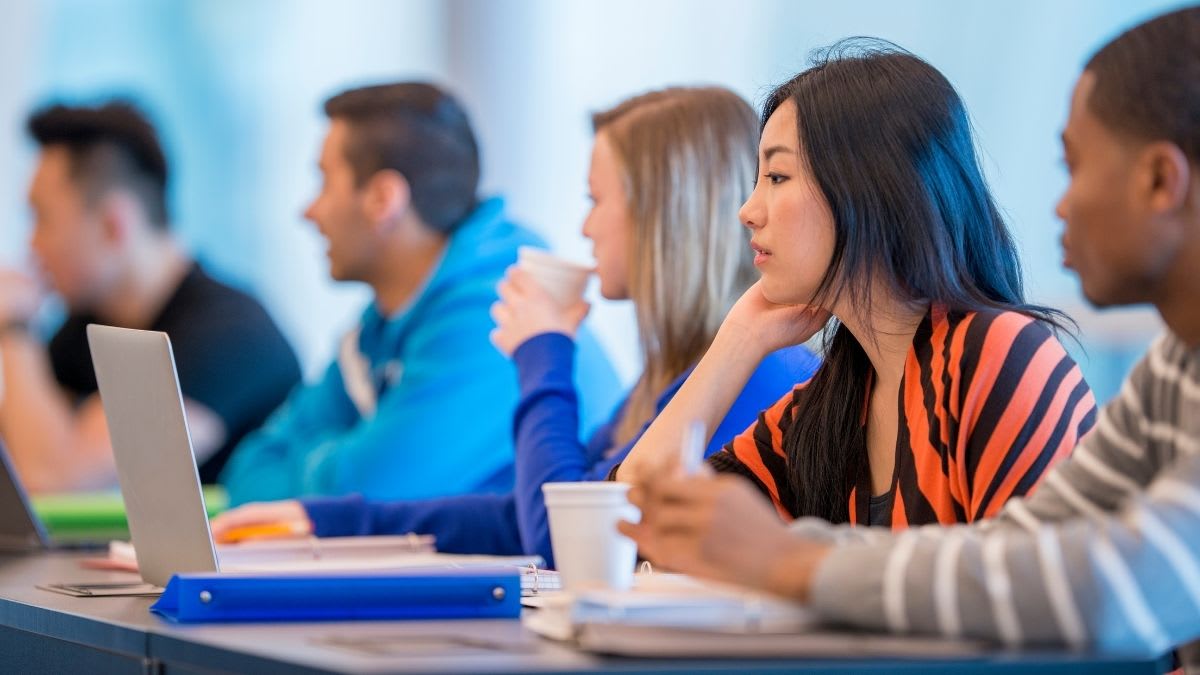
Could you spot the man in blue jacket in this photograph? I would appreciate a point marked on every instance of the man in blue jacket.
(417, 403)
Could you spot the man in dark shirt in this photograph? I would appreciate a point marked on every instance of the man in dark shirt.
(101, 241)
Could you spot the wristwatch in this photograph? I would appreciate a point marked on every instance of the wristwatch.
(14, 326)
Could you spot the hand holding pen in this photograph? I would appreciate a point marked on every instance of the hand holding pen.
(715, 526)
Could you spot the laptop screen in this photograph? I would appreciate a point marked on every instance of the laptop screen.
(139, 388)
(20, 529)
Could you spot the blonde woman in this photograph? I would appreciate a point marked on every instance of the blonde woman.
(669, 171)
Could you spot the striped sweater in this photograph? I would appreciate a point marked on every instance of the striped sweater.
(988, 401)
(1105, 555)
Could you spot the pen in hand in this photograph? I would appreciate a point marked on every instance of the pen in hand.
(695, 438)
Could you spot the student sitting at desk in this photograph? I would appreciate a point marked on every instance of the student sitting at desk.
(941, 393)
(669, 170)
(1106, 554)
(102, 241)
(417, 403)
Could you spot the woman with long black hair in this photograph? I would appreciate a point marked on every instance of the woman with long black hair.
(942, 392)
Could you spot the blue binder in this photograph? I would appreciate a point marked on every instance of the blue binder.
(474, 593)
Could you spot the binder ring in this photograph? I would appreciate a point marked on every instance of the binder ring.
(533, 569)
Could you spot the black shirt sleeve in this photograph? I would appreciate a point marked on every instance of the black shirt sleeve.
(230, 355)
(70, 359)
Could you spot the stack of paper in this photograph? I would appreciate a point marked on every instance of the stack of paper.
(350, 554)
(304, 552)
(667, 601)
(667, 615)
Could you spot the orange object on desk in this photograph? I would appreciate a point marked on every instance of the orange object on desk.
(264, 531)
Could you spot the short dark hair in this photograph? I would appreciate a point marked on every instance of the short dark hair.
(420, 131)
(1148, 81)
(109, 145)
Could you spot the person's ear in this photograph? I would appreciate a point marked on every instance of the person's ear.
(119, 212)
(1168, 177)
(387, 197)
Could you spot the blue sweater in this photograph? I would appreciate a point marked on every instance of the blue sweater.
(417, 404)
(546, 427)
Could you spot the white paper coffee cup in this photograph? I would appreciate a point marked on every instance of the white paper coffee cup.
(589, 552)
(564, 280)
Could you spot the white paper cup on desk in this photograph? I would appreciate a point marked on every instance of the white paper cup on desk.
(564, 280)
(589, 552)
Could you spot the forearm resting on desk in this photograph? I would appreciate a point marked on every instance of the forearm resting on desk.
(1118, 581)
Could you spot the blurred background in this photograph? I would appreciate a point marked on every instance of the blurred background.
(236, 89)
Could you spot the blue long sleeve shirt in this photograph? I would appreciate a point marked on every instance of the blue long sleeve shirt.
(546, 428)
(397, 415)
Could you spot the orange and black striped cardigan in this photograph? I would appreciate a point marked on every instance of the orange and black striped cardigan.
(988, 401)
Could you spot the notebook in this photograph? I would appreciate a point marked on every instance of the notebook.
(665, 642)
(265, 555)
(675, 616)
(99, 516)
(667, 601)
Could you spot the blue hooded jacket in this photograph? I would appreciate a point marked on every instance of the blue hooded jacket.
(418, 404)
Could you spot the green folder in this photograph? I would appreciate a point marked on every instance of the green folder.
(100, 515)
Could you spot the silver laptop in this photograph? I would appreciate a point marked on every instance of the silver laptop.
(20, 528)
(139, 389)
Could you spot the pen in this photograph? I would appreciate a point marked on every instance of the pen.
(263, 531)
(695, 437)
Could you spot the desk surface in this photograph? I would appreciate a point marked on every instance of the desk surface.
(125, 627)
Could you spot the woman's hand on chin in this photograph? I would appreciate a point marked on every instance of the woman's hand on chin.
(757, 323)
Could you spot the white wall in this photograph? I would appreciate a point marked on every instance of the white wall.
(18, 37)
(283, 60)
(237, 89)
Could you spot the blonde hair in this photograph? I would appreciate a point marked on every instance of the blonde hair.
(688, 157)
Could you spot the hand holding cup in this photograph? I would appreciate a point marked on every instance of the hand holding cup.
(540, 294)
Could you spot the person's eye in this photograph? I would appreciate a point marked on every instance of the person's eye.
(774, 178)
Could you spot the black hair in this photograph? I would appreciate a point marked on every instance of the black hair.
(420, 131)
(1148, 81)
(109, 145)
(888, 142)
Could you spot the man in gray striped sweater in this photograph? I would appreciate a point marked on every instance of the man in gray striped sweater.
(1106, 554)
